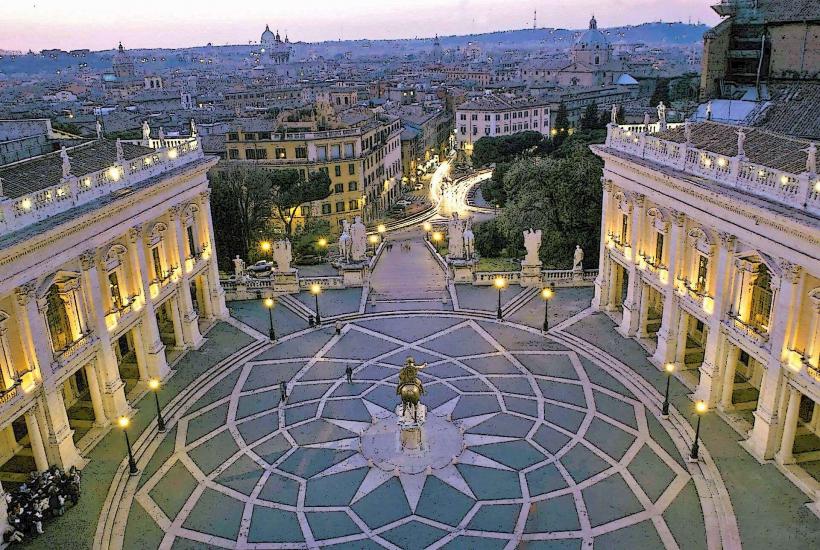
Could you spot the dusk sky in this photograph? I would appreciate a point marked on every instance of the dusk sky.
(100, 24)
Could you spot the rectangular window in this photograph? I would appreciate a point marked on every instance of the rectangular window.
(326, 208)
(351, 169)
(321, 152)
(233, 154)
(250, 137)
(250, 154)
(114, 285)
(659, 248)
(324, 170)
(337, 170)
(233, 136)
(353, 205)
(463, 130)
(353, 186)
(301, 152)
(261, 154)
(349, 152)
(624, 227)
(486, 118)
(264, 135)
(475, 130)
(339, 188)
(157, 261)
(474, 117)
(281, 153)
(340, 206)
(191, 241)
(335, 151)
(703, 268)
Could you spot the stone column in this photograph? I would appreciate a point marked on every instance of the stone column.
(190, 320)
(113, 387)
(667, 334)
(631, 319)
(216, 293)
(784, 455)
(683, 336)
(732, 356)
(35, 439)
(152, 347)
(34, 331)
(139, 351)
(602, 281)
(96, 395)
(60, 445)
(762, 442)
(643, 314)
(709, 384)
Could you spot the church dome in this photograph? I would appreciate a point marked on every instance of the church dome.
(592, 38)
(268, 37)
(121, 57)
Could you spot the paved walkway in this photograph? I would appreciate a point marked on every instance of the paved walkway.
(560, 443)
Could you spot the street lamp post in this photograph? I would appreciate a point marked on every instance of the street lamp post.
(315, 289)
(669, 368)
(427, 226)
(322, 243)
(132, 465)
(265, 247)
(499, 283)
(547, 295)
(155, 385)
(269, 303)
(373, 240)
(700, 409)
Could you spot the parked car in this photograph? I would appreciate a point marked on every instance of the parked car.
(260, 267)
(418, 187)
(403, 202)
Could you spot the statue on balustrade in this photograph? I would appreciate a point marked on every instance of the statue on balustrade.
(282, 255)
(578, 259)
(469, 239)
(455, 237)
(345, 242)
(532, 242)
(358, 240)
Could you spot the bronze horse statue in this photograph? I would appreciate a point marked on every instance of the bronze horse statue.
(410, 388)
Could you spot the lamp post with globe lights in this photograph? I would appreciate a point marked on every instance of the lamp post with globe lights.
(373, 240)
(154, 385)
(700, 410)
(315, 289)
(269, 303)
(499, 283)
(547, 294)
(123, 423)
(427, 226)
(669, 368)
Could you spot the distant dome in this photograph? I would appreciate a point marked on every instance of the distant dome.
(120, 57)
(592, 38)
(268, 37)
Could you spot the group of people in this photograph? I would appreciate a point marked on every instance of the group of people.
(406, 246)
(44, 495)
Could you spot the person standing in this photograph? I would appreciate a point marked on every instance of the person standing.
(338, 326)
(349, 374)
(283, 391)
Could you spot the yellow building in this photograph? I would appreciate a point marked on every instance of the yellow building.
(363, 161)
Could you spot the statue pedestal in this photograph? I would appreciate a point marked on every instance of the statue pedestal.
(286, 282)
(355, 274)
(531, 275)
(462, 270)
(409, 421)
(577, 274)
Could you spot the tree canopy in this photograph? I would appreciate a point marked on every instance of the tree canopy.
(489, 150)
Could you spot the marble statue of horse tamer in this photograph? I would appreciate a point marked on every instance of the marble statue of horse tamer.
(410, 387)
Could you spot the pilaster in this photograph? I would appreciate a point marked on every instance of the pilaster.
(189, 318)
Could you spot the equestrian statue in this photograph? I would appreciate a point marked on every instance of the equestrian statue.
(410, 388)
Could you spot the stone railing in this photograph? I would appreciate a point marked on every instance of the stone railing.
(64, 356)
(487, 278)
(800, 191)
(77, 190)
(325, 283)
(744, 332)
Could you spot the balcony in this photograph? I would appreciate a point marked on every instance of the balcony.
(748, 335)
(75, 349)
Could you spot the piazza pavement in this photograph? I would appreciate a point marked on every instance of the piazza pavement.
(550, 441)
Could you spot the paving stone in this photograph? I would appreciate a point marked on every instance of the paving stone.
(271, 524)
(500, 518)
(216, 514)
(555, 514)
(280, 489)
(414, 535)
(331, 524)
(610, 499)
(174, 489)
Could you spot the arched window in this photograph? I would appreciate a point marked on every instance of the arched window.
(597, 60)
(761, 299)
(57, 318)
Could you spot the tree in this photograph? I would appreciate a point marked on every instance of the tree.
(289, 191)
(493, 189)
(661, 93)
(561, 124)
(241, 208)
(490, 150)
(489, 239)
(560, 196)
(589, 120)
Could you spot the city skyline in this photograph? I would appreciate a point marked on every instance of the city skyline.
(98, 26)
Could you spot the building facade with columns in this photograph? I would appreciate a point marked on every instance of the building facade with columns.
(107, 275)
(710, 237)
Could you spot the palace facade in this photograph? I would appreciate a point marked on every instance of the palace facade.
(107, 275)
(709, 257)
